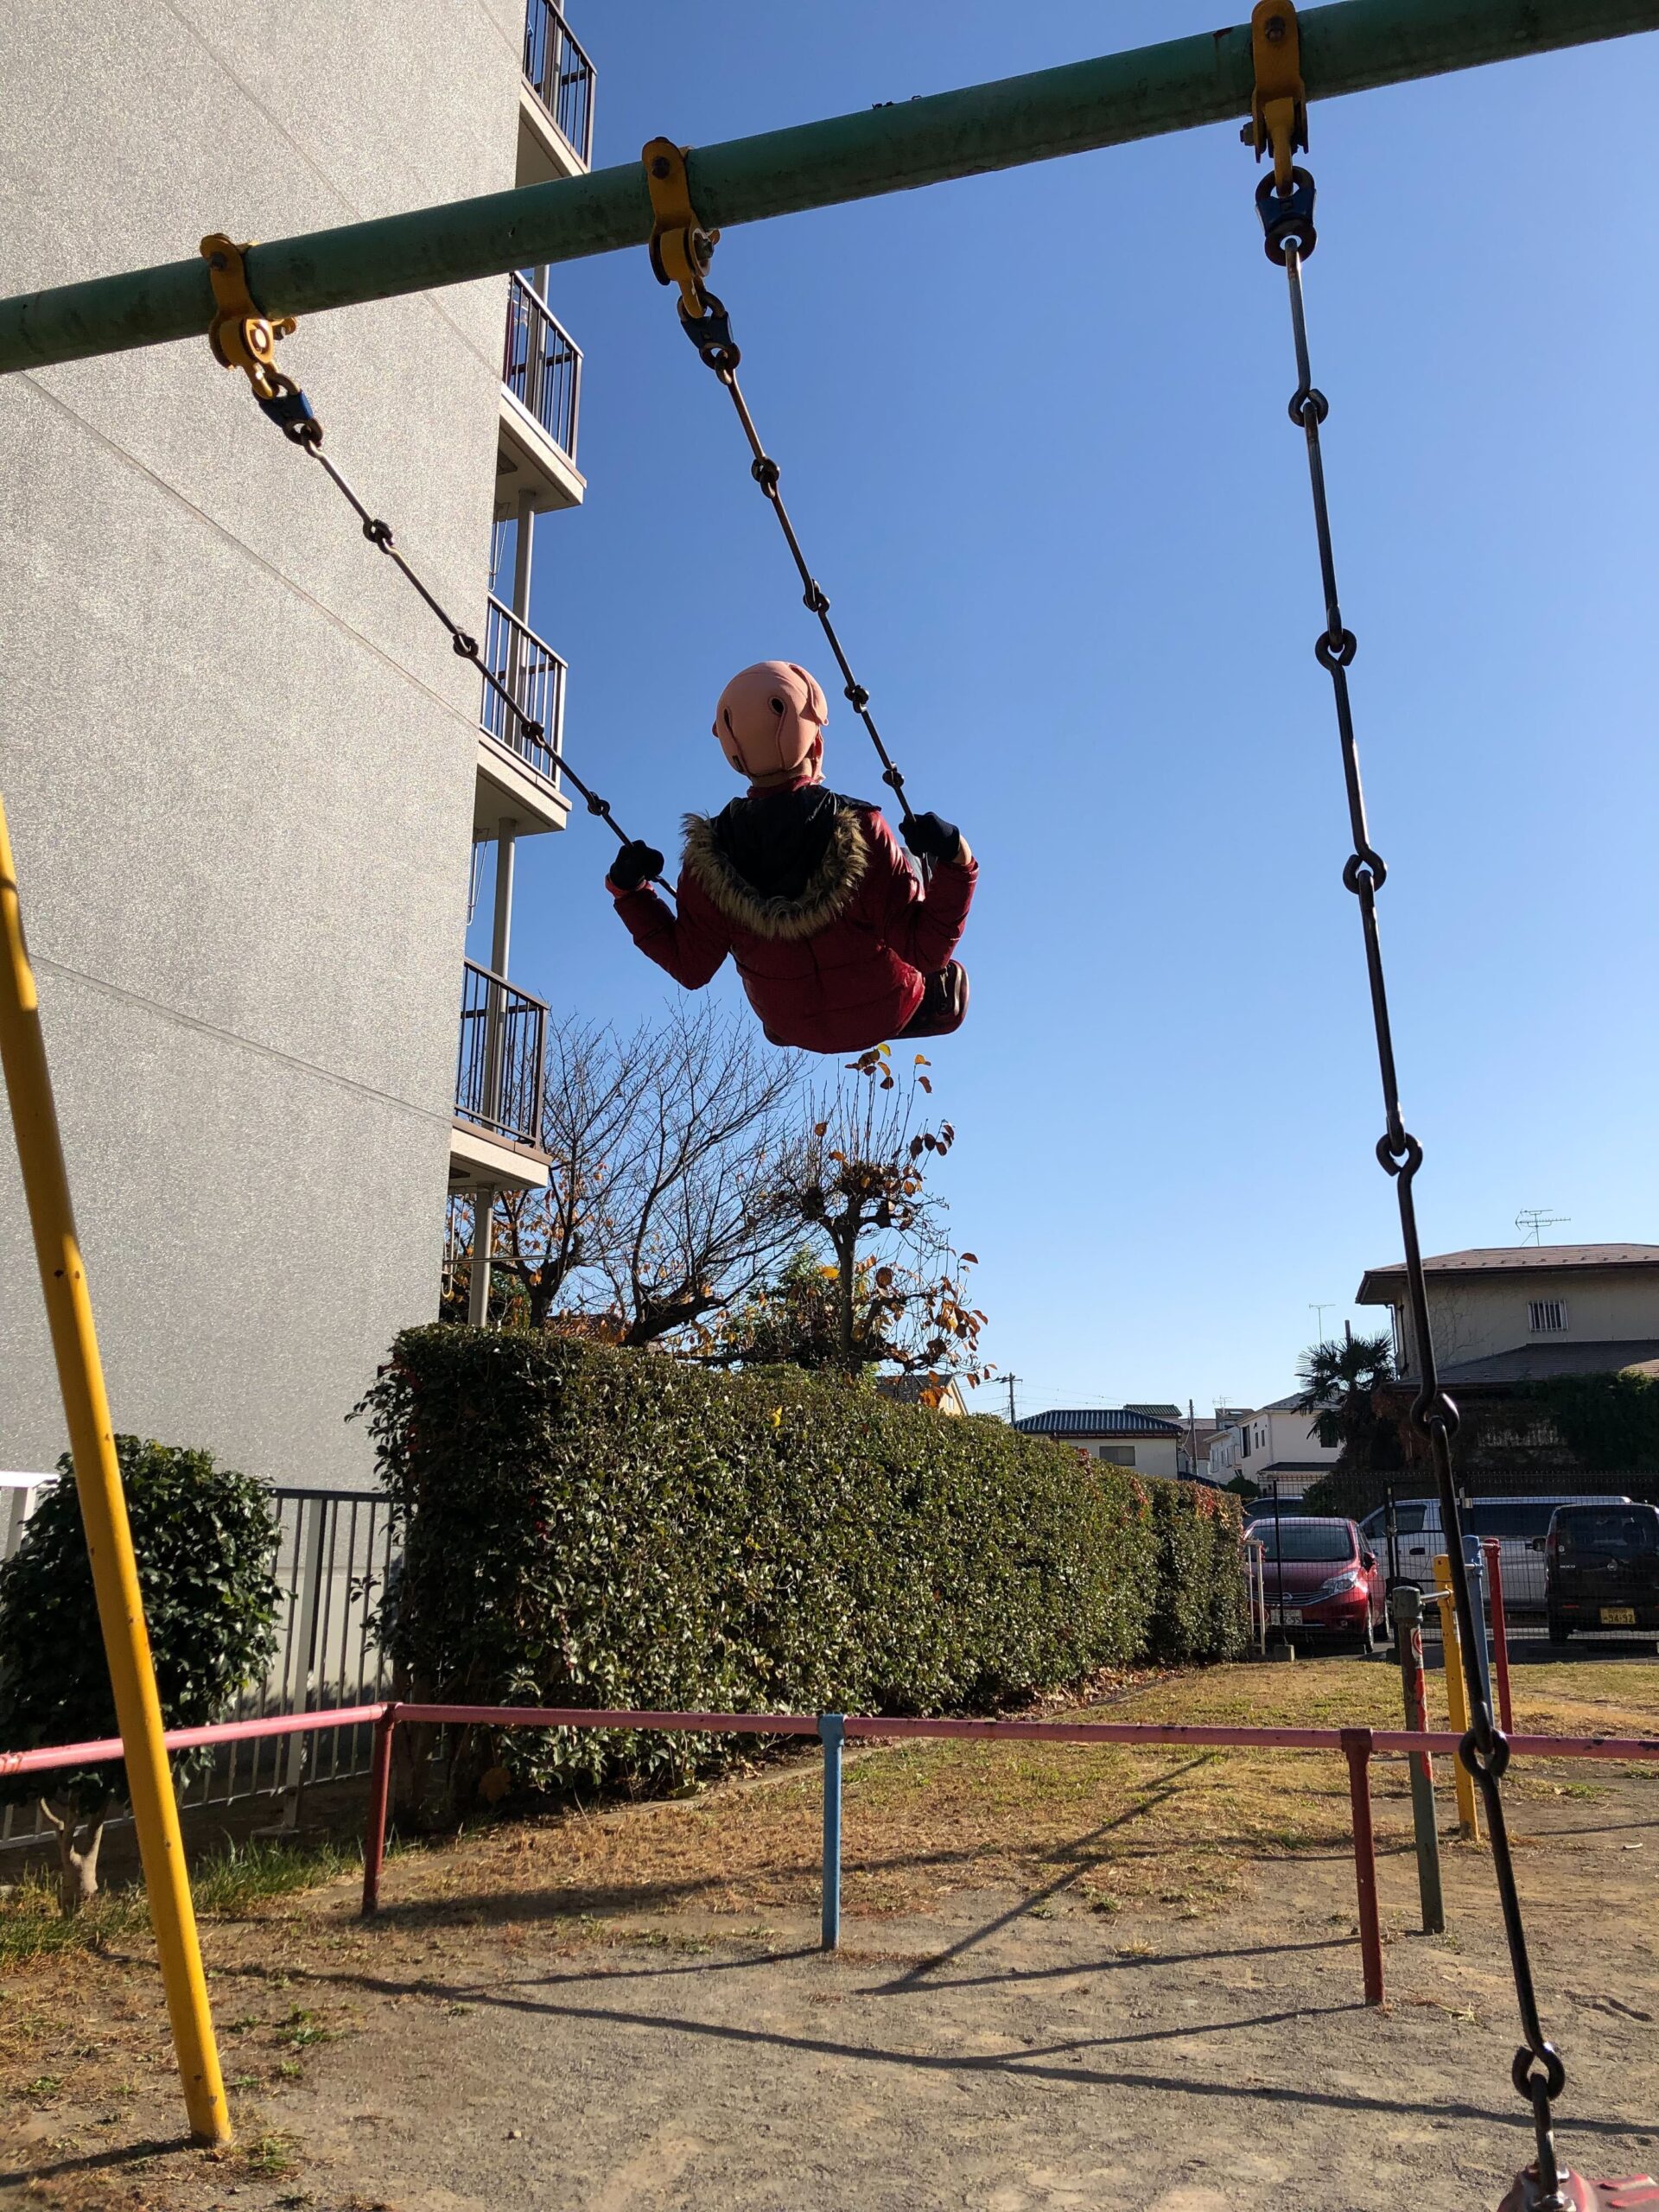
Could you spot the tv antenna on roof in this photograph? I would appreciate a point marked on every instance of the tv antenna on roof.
(1533, 1220)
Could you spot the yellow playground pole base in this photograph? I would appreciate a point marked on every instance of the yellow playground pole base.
(1457, 1698)
(103, 1515)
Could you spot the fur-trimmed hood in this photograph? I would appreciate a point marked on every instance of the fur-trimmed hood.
(830, 890)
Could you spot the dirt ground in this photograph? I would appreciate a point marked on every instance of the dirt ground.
(1069, 1977)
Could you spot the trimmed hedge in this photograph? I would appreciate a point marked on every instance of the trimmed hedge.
(591, 1527)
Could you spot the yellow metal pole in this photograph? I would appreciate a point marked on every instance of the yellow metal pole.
(103, 1515)
(1457, 1697)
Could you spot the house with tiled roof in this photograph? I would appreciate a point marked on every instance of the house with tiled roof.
(1508, 1318)
(1152, 1444)
(1512, 1314)
(1274, 1446)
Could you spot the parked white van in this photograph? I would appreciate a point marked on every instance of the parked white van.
(1520, 1524)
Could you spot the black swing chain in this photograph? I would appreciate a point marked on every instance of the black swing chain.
(291, 412)
(711, 335)
(1539, 2075)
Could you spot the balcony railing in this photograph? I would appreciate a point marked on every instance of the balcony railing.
(533, 676)
(541, 367)
(498, 1074)
(560, 74)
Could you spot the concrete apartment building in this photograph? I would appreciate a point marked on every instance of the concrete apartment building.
(244, 769)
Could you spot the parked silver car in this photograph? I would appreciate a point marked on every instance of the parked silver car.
(1520, 1525)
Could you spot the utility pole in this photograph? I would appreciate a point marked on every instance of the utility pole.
(1011, 1380)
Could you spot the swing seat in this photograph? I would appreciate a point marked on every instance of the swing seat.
(1640, 2190)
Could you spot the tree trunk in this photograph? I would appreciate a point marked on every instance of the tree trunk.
(76, 1862)
(844, 1236)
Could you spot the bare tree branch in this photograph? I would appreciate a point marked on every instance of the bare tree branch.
(668, 1150)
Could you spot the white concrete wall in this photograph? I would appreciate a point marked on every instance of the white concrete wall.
(1265, 1439)
(236, 754)
(1154, 1455)
(1475, 1316)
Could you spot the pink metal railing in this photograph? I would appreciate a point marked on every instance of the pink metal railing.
(1358, 1746)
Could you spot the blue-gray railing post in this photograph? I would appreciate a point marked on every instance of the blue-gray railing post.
(832, 1730)
(1474, 1559)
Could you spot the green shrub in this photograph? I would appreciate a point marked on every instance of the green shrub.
(589, 1526)
(205, 1538)
(1199, 1611)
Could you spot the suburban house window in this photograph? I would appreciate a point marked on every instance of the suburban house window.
(1546, 1316)
(1397, 1328)
(1120, 1455)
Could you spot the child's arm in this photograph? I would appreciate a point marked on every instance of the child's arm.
(924, 927)
(690, 945)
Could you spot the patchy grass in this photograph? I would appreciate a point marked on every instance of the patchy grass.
(227, 1884)
(1171, 1834)
(266, 2157)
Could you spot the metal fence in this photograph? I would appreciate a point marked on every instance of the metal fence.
(560, 74)
(498, 1073)
(540, 365)
(335, 1550)
(533, 676)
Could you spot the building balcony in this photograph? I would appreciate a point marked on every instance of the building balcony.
(519, 772)
(499, 1074)
(541, 388)
(555, 99)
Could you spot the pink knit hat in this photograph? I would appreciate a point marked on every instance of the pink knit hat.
(768, 718)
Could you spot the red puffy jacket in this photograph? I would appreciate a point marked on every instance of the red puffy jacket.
(839, 964)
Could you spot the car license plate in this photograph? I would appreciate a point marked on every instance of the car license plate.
(1292, 1616)
(1618, 1616)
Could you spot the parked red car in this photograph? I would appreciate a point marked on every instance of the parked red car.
(1326, 1577)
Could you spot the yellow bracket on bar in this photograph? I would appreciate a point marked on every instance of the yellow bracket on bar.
(680, 248)
(1279, 104)
(242, 337)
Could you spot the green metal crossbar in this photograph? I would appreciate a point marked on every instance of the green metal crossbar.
(1179, 85)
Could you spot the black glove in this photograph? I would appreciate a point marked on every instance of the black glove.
(931, 837)
(633, 865)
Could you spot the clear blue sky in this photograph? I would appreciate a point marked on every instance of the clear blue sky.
(1033, 429)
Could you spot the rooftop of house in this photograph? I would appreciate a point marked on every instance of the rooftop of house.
(1537, 1362)
(1159, 1413)
(1241, 1417)
(939, 1391)
(1097, 1420)
(1382, 1285)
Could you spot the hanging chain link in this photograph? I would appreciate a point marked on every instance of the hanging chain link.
(711, 333)
(1539, 2075)
(291, 409)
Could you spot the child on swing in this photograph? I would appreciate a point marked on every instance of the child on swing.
(838, 944)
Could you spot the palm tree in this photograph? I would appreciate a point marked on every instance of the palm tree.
(1337, 1380)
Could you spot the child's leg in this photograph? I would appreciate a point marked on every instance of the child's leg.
(945, 1002)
